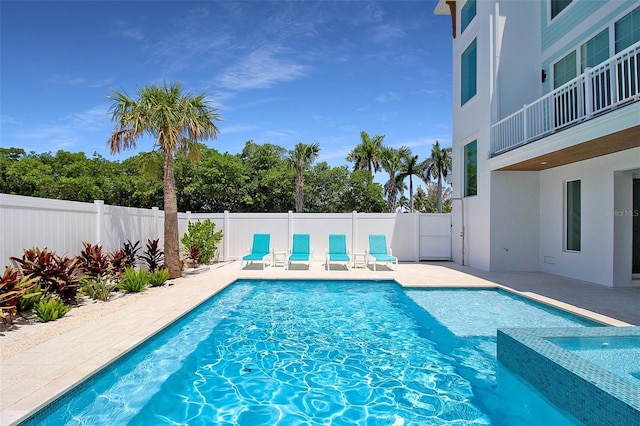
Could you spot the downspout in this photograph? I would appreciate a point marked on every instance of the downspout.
(462, 231)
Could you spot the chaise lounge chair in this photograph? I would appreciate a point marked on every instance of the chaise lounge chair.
(300, 251)
(260, 250)
(338, 251)
(378, 251)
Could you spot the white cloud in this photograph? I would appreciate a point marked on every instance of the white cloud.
(123, 29)
(260, 69)
(387, 97)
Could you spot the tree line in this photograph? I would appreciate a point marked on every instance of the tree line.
(259, 179)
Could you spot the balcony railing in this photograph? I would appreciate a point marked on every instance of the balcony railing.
(596, 91)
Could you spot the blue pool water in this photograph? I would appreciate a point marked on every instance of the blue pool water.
(617, 354)
(322, 352)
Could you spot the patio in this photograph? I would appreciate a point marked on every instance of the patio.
(34, 376)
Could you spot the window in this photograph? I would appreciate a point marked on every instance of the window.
(595, 51)
(628, 30)
(573, 215)
(471, 169)
(558, 6)
(468, 13)
(564, 70)
(469, 68)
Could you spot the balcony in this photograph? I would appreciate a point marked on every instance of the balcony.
(598, 91)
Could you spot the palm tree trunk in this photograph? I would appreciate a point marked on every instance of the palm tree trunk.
(392, 196)
(299, 193)
(440, 193)
(171, 238)
(410, 194)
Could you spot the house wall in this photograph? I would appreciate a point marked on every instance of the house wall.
(578, 23)
(516, 56)
(600, 181)
(515, 219)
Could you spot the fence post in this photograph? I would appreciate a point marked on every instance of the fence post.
(354, 231)
(156, 213)
(289, 229)
(99, 219)
(225, 237)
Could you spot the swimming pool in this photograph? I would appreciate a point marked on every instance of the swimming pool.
(319, 352)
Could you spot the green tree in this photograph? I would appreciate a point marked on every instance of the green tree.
(362, 194)
(175, 119)
(438, 167)
(366, 155)
(326, 188)
(410, 167)
(300, 158)
(391, 162)
(270, 185)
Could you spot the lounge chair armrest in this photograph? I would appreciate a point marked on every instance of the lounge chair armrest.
(390, 251)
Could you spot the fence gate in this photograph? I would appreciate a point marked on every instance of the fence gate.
(435, 236)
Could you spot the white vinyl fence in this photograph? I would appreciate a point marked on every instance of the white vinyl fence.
(62, 226)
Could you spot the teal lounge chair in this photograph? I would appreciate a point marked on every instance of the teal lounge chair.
(338, 251)
(260, 250)
(301, 250)
(378, 251)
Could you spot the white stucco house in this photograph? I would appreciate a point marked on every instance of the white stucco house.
(546, 137)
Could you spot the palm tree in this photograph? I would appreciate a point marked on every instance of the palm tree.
(438, 167)
(391, 162)
(410, 167)
(301, 157)
(176, 120)
(366, 156)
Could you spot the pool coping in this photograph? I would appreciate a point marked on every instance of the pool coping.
(40, 375)
(587, 391)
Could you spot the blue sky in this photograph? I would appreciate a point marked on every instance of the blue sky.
(278, 72)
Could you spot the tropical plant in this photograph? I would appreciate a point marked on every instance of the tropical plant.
(29, 298)
(300, 158)
(410, 167)
(130, 251)
(14, 288)
(55, 274)
(153, 257)
(133, 281)
(159, 277)
(99, 288)
(50, 309)
(201, 240)
(177, 121)
(366, 156)
(437, 167)
(93, 261)
(118, 260)
(391, 162)
(193, 253)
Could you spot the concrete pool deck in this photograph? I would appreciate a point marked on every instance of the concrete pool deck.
(34, 377)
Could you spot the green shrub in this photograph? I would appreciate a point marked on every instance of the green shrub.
(201, 235)
(99, 288)
(29, 299)
(134, 282)
(50, 309)
(159, 277)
